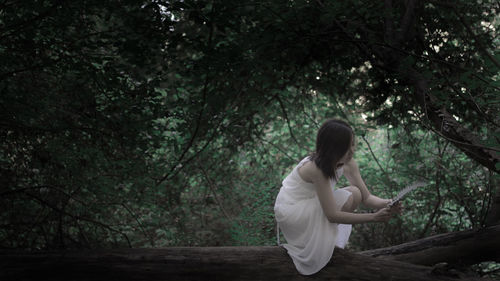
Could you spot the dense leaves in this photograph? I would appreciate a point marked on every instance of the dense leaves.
(160, 123)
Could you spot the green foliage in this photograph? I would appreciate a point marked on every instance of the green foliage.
(150, 124)
(457, 195)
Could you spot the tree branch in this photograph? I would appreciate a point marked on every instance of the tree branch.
(464, 247)
(63, 212)
(376, 160)
(283, 109)
(439, 175)
(204, 263)
(445, 123)
(211, 186)
(476, 42)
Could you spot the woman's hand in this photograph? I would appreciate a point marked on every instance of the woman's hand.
(382, 215)
(397, 208)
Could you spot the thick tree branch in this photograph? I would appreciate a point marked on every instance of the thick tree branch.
(464, 247)
(493, 214)
(445, 123)
(202, 263)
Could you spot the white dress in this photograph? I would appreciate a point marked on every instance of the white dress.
(310, 237)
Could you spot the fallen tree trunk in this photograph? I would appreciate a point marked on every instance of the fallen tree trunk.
(464, 248)
(256, 263)
(204, 263)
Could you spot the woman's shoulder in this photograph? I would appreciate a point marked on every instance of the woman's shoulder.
(309, 172)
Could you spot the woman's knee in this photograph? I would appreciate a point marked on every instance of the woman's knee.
(356, 196)
(348, 205)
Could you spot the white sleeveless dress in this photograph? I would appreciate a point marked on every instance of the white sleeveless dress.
(310, 237)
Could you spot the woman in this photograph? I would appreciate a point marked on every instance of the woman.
(313, 216)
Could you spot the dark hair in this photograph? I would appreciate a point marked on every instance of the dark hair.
(332, 142)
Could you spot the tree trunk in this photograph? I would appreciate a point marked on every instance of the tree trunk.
(442, 122)
(445, 124)
(463, 248)
(257, 263)
(205, 263)
(493, 216)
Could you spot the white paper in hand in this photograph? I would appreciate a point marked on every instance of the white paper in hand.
(407, 189)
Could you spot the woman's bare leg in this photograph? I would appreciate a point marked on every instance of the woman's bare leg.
(354, 200)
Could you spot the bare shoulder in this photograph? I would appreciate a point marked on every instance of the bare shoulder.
(310, 173)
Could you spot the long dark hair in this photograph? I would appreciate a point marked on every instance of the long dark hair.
(333, 141)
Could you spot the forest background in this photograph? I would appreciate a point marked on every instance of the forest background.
(166, 123)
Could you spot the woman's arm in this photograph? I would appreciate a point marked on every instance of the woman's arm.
(351, 172)
(325, 194)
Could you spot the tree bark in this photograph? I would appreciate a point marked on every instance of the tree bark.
(204, 263)
(445, 124)
(442, 122)
(463, 248)
(493, 216)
